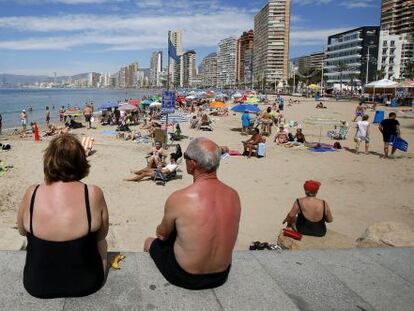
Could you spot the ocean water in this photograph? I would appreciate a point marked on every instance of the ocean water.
(12, 101)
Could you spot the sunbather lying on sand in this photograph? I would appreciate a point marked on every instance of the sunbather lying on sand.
(149, 172)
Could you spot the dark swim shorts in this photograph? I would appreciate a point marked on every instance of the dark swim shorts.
(88, 117)
(162, 252)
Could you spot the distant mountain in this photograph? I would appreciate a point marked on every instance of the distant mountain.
(16, 80)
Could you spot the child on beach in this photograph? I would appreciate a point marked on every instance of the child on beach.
(362, 134)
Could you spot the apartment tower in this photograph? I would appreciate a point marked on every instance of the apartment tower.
(226, 62)
(396, 44)
(271, 42)
(156, 69)
(244, 62)
(189, 68)
(175, 68)
(209, 70)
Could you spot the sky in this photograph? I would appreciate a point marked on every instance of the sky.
(41, 37)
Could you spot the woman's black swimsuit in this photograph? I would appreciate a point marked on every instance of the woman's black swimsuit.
(308, 227)
(162, 252)
(62, 269)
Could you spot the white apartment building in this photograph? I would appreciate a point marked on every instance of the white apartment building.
(175, 67)
(389, 55)
(271, 42)
(156, 69)
(226, 62)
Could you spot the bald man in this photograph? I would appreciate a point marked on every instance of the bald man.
(197, 234)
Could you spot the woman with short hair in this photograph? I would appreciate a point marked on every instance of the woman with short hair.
(66, 224)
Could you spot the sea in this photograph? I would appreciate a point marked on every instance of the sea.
(13, 100)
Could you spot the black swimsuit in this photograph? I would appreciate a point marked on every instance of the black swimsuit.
(62, 269)
(308, 227)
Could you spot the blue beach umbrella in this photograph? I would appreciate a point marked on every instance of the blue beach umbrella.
(243, 107)
(146, 102)
(107, 106)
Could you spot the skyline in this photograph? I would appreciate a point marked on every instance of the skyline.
(74, 36)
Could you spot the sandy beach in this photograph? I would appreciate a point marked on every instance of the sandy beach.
(360, 189)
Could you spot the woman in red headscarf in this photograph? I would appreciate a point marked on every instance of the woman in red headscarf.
(309, 214)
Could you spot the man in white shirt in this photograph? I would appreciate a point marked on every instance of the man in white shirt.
(149, 172)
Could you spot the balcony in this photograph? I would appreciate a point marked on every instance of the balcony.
(344, 42)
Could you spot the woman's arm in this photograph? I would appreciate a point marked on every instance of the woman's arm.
(103, 230)
(24, 204)
(328, 213)
(291, 216)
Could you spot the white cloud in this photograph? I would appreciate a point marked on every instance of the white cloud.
(133, 32)
(312, 37)
(355, 4)
(311, 2)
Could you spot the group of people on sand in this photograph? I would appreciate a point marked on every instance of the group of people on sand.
(66, 223)
(389, 128)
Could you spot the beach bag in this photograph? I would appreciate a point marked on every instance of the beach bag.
(337, 145)
(398, 143)
(261, 150)
(289, 232)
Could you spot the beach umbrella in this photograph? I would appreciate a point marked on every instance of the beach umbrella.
(155, 105)
(252, 100)
(313, 86)
(243, 107)
(127, 107)
(237, 95)
(218, 104)
(134, 102)
(146, 102)
(321, 121)
(106, 106)
(191, 97)
(175, 118)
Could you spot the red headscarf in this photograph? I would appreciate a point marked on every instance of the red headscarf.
(311, 186)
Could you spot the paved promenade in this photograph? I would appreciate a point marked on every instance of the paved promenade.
(358, 279)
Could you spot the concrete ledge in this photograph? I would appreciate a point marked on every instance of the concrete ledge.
(357, 279)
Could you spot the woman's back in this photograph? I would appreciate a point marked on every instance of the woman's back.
(62, 258)
(311, 217)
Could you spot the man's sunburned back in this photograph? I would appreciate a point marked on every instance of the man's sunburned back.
(207, 217)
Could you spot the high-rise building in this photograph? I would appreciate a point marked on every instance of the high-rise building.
(244, 62)
(156, 69)
(209, 70)
(396, 43)
(131, 76)
(310, 63)
(189, 68)
(175, 67)
(271, 42)
(226, 62)
(349, 54)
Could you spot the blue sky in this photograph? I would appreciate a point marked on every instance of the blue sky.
(75, 36)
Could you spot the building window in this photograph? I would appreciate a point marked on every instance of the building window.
(384, 51)
(392, 43)
(385, 43)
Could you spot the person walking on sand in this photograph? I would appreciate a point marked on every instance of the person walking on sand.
(389, 127)
(23, 120)
(362, 134)
(87, 112)
(198, 231)
(359, 111)
(47, 116)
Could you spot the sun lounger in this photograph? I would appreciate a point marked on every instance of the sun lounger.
(163, 179)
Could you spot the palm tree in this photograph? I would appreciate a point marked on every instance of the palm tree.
(341, 67)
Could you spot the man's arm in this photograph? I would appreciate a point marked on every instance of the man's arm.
(167, 224)
(398, 131)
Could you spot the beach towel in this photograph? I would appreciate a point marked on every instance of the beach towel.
(108, 133)
(322, 149)
(87, 144)
(234, 152)
(398, 143)
(225, 156)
